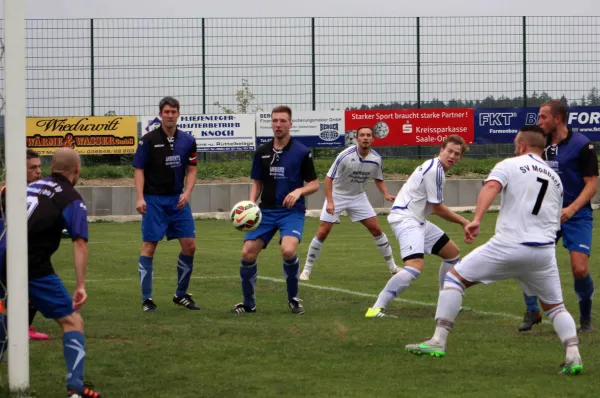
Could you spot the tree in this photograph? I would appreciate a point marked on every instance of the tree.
(244, 97)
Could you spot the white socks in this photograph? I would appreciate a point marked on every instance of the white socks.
(384, 247)
(396, 285)
(448, 307)
(446, 266)
(313, 252)
(565, 327)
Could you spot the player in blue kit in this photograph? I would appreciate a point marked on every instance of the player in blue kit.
(573, 157)
(165, 176)
(53, 204)
(279, 171)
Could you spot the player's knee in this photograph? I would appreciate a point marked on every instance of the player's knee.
(580, 271)
(148, 249)
(71, 323)
(249, 252)
(288, 251)
(188, 246)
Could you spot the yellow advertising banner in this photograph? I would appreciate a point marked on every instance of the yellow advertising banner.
(91, 135)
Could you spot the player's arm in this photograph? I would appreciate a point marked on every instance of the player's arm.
(190, 178)
(588, 167)
(309, 175)
(328, 183)
(257, 177)
(75, 221)
(443, 211)
(139, 162)
(380, 184)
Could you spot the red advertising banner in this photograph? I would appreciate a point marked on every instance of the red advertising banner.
(412, 126)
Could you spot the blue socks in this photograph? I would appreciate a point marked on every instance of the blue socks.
(584, 288)
(532, 303)
(291, 271)
(248, 276)
(184, 273)
(146, 274)
(74, 351)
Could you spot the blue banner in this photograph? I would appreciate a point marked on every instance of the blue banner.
(500, 125)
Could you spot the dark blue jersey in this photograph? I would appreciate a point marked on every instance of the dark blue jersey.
(282, 172)
(52, 205)
(573, 159)
(165, 161)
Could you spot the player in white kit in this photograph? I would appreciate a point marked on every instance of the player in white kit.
(523, 247)
(421, 196)
(344, 190)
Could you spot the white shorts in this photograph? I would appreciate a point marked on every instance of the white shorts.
(414, 237)
(358, 208)
(534, 268)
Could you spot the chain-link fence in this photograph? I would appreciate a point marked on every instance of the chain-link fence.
(124, 66)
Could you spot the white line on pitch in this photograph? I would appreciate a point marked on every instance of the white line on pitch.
(319, 287)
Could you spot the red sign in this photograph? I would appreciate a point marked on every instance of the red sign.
(413, 126)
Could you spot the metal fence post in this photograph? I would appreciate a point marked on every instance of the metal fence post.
(92, 84)
(203, 67)
(524, 61)
(418, 62)
(314, 69)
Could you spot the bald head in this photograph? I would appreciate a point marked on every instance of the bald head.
(66, 161)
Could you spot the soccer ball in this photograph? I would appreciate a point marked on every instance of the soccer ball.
(246, 216)
(381, 130)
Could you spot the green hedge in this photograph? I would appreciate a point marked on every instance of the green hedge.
(241, 168)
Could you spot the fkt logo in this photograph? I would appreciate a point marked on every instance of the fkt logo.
(496, 118)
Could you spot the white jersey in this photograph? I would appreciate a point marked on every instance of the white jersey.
(531, 203)
(424, 187)
(350, 171)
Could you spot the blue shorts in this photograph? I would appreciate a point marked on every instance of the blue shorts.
(288, 222)
(50, 297)
(163, 217)
(576, 233)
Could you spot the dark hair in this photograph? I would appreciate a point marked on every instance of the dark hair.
(557, 108)
(168, 101)
(364, 127)
(534, 136)
(31, 154)
(458, 140)
(282, 109)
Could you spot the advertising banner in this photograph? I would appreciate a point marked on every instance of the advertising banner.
(411, 126)
(315, 129)
(92, 135)
(500, 125)
(215, 132)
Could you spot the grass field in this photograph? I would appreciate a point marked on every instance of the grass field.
(331, 351)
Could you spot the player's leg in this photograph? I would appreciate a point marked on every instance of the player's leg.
(440, 244)
(291, 227)
(50, 297)
(541, 279)
(327, 221)
(33, 334)
(577, 238)
(154, 227)
(314, 249)
(485, 264)
(254, 242)
(181, 226)
(411, 237)
(362, 210)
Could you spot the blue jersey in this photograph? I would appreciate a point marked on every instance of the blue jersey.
(52, 205)
(165, 161)
(573, 159)
(282, 172)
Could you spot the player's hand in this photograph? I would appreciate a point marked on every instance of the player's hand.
(566, 213)
(141, 206)
(184, 199)
(389, 197)
(79, 298)
(472, 230)
(330, 208)
(291, 198)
